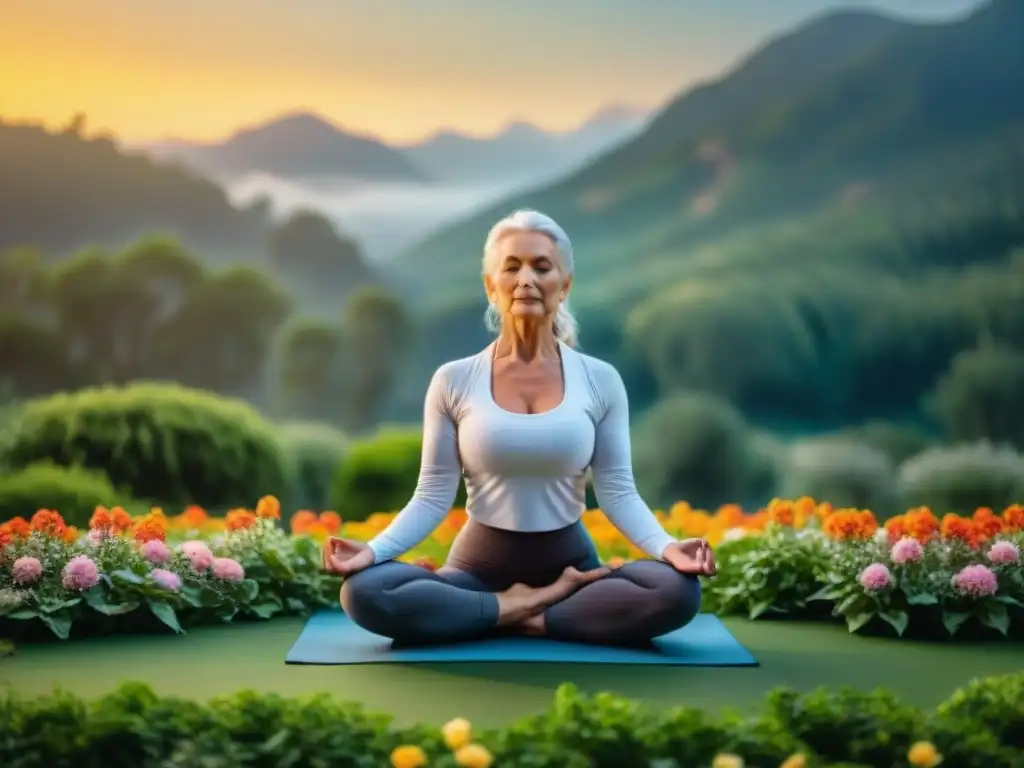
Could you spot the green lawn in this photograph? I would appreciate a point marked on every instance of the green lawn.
(213, 661)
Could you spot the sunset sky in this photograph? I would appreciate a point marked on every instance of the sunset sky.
(400, 69)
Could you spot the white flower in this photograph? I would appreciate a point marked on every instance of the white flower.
(735, 533)
(11, 598)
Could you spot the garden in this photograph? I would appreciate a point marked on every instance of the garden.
(800, 568)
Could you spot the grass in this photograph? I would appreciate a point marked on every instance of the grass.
(212, 661)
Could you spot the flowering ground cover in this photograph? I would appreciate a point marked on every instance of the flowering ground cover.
(917, 573)
(126, 576)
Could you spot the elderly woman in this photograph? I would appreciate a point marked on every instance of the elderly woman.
(522, 421)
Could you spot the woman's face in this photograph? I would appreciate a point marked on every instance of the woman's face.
(528, 280)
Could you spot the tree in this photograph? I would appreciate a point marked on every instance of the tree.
(379, 332)
(152, 311)
(221, 338)
(312, 372)
(316, 261)
(980, 398)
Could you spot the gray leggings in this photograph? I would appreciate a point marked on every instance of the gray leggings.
(413, 606)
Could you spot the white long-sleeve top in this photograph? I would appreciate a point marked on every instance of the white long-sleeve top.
(524, 472)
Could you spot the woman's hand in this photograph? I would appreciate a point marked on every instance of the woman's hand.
(346, 556)
(692, 556)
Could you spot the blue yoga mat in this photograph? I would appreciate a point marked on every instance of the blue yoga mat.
(330, 637)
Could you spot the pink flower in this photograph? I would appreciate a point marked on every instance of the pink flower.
(1003, 552)
(976, 581)
(875, 577)
(97, 536)
(907, 550)
(81, 573)
(227, 569)
(165, 579)
(156, 551)
(199, 555)
(26, 570)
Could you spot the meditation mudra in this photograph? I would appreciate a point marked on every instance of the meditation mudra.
(523, 421)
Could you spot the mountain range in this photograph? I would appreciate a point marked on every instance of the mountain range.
(839, 110)
(304, 145)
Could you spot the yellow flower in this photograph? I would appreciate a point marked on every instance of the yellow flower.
(795, 761)
(408, 756)
(727, 760)
(923, 754)
(473, 756)
(457, 733)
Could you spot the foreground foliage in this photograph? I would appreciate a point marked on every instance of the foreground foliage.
(916, 574)
(981, 725)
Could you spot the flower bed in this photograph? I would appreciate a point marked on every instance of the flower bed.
(917, 573)
(981, 725)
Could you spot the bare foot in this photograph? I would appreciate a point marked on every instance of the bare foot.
(520, 602)
(534, 626)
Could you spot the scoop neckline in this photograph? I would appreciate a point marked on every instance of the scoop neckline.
(489, 352)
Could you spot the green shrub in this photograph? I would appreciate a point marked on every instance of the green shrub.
(696, 447)
(313, 453)
(280, 575)
(379, 474)
(961, 478)
(897, 441)
(133, 726)
(843, 472)
(160, 441)
(72, 491)
(979, 398)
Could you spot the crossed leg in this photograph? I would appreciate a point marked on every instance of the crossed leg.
(630, 605)
(414, 606)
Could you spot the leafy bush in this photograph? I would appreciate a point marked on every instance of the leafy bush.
(380, 474)
(961, 478)
(847, 473)
(897, 441)
(160, 441)
(979, 397)
(773, 574)
(697, 447)
(125, 578)
(134, 726)
(313, 453)
(73, 490)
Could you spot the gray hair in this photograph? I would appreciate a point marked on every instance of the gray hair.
(566, 329)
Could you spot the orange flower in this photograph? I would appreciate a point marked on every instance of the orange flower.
(729, 516)
(805, 506)
(149, 528)
(896, 527)
(302, 520)
(238, 519)
(1013, 518)
(782, 512)
(70, 535)
(331, 521)
(317, 531)
(959, 528)
(6, 536)
(268, 508)
(921, 524)
(101, 519)
(850, 524)
(19, 526)
(987, 523)
(49, 522)
(194, 516)
(122, 521)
